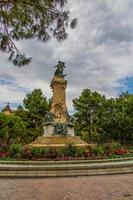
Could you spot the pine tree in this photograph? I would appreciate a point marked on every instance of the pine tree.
(88, 108)
(36, 106)
(26, 19)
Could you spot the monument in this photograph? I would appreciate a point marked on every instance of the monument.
(57, 121)
(58, 125)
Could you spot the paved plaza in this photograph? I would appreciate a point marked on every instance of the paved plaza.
(117, 187)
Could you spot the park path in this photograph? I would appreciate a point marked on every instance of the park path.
(106, 187)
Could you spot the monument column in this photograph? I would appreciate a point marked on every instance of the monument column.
(58, 106)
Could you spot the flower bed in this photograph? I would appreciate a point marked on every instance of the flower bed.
(70, 152)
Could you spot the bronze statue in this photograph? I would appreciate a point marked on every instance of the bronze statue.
(60, 69)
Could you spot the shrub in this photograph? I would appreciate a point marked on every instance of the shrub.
(98, 150)
(130, 148)
(68, 150)
(4, 147)
(52, 153)
(120, 151)
(62, 151)
(16, 150)
(27, 153)
(39, 152)
(71, 150)
(110, 147)
(4, 154)
(80, 151)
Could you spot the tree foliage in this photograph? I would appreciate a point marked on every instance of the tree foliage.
(97, 119)
(100, 119)
(117, 121)
(12, 129)
(35, 105)
(88, 109)
(26, 19)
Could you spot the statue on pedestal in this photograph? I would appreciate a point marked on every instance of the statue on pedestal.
(58, 125)
(58, 115)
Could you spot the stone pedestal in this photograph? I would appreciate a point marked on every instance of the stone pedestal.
(57, 141)
(70, 130)
(48, 130)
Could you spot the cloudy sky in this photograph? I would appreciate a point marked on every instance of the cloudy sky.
(98, 55)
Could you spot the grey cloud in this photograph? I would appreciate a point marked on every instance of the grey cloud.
(6, 76)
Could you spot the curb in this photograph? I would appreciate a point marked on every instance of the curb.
(33, 162)
(67, 170)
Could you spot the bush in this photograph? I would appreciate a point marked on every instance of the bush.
(4, 154)
(68, 150)
(16, 150)
(98, 150)
(120, 151)
(62, 151)
(4, 147)
(27, 153)
(39, 152)
(130, 148)
(80, 151)
(71, 150)
(52, 153)
(110, 147)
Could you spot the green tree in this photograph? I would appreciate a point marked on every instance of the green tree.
(124, 106)
(117, 120)
(35, 105)
(4, 129)
(26, 19)
(88, 109)
(12, 129)
(17, 130)
(108, 122)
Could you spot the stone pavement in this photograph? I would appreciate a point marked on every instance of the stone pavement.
(116, 187)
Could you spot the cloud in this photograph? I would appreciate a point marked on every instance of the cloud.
(98, 54)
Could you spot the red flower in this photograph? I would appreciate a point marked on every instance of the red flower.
(120, 151)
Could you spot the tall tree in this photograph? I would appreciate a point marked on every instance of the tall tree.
(88, 108)
(36, 106)
(12, 129)
(117, 120)
(4, 129)
(26, 19)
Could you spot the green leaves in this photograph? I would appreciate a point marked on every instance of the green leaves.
(88, 107)
(12, 129)
(28, 19)
(36, 106)
(104, 119)
(19, 60)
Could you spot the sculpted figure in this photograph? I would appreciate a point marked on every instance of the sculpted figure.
(48, 118)
(60, 69)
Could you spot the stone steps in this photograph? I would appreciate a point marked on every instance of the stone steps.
(57, 141)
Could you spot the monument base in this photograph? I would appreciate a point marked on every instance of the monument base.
(49, 130)
(58, 141)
